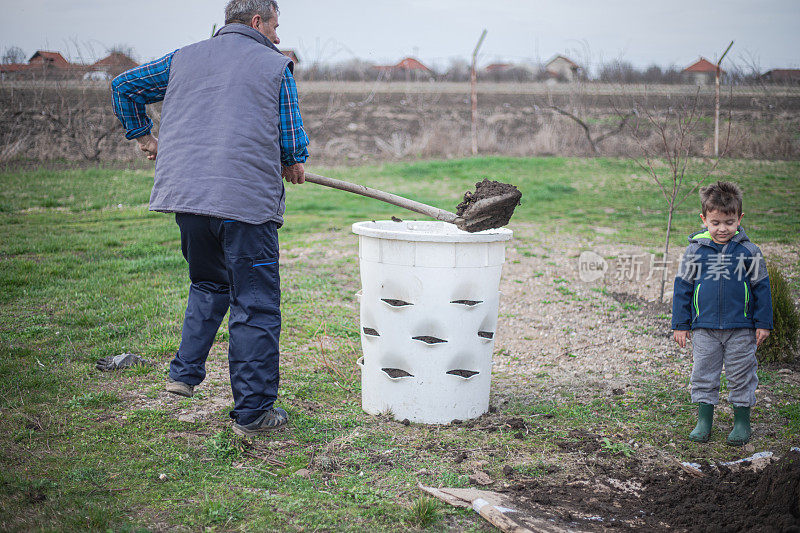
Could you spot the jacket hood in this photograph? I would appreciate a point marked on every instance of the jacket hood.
(704, 236)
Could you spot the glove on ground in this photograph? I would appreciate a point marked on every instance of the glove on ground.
(118, 362)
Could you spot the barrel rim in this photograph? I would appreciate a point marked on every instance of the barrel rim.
(427, 231)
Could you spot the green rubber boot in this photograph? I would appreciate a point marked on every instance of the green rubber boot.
(705, 418)
(740, 435)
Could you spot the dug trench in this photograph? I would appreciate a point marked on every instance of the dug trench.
(722, 499)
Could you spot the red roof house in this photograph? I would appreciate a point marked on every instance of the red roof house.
(13, 67)
(562, 68)
(498, 67)
(114, 64)
(702, 65)
(408, 68)
(701, 72)
(49, 59)
(51, 65)
(9, 70)
(291, 54)
(782, 75)
(408, 63)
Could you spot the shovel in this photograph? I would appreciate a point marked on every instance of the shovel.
(488, 212)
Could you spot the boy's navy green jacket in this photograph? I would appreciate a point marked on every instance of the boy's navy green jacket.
(722, 289)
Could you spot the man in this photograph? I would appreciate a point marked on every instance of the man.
(230, 130)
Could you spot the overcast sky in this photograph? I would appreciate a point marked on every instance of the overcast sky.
(588, 31)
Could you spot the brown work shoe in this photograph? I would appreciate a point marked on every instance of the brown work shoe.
(272, 419)
(180, 388)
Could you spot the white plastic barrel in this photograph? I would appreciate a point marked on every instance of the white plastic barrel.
(429, 302)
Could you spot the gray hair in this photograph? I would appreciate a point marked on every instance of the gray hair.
(243, 11)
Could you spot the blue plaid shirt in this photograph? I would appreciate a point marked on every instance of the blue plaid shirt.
(132, 90)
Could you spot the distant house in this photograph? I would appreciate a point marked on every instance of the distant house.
(408, 63)
(45, 59)
(9, 71)
(405, 69)
(47, 64)
(786, 76)
(563, 69)
(516, 72)
(701, 72)
(112, 65)
(291, 54)
(97, 75)
(498, 67)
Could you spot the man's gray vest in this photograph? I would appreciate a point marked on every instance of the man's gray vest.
(219, 140)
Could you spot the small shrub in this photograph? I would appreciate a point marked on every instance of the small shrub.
(564, 290)
(225, 446)
(781, 346)
(424, 512)
(616, 448)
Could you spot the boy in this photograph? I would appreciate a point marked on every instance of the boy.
(722, 294)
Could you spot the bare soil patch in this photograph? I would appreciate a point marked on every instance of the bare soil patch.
(633, 499)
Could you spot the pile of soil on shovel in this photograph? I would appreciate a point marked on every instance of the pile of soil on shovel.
(486, 189)
(721, 501)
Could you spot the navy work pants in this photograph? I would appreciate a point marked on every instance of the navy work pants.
(232, 264)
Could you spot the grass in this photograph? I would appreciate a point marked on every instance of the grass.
(424, 512)
(88, 272)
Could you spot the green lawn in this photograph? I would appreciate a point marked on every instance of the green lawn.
(86, 271)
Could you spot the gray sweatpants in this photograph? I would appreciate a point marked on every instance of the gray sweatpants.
(736, 349)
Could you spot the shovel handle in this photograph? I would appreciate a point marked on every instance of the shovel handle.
(389, 198)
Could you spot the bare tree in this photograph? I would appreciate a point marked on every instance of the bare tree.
(458, 70)
(512, 73)
(623, 72)
(122, 48)
(583, 101)
(674, 131)
(13, 54)
(75, 118)
(618, 71)
(57, 120)
(592, 136)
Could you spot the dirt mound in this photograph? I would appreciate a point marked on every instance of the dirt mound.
(488, 193)
(723, 500)
(732, 501)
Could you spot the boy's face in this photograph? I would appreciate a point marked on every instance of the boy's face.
(721, 226)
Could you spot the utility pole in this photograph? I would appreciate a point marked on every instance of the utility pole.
(716, 101)
(474, 88)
